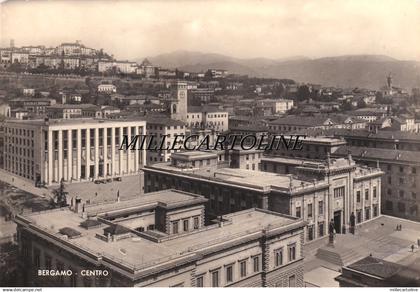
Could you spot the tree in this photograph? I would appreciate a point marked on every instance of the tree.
(60, 196)
(303, 93)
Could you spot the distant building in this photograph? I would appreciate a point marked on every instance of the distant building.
(401, 182)
(107, 88)
(208, 117)
(158, 127)
(199, 96)
(274, 106)
(159, 239)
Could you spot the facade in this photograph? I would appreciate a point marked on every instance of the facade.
(159, 127)
(274, 106)
(159, 239)
(48, 151)
(199, 96)
(296, 123)
(107, 88)
(177, 103)
(32, 105)
(400, 185)
(313, 147)
(317, 193)
(208, 117)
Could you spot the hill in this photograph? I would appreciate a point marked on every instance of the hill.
(367, 71)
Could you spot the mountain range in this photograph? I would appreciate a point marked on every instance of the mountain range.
(363, 71)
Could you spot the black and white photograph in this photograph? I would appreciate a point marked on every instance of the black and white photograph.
(209, 143)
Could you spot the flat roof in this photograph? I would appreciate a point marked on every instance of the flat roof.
(166, 197)
(73, 121)
(137, 253)
(254, 179)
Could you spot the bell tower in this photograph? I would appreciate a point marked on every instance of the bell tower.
(178, 106)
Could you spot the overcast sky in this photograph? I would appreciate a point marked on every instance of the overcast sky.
(245, 29)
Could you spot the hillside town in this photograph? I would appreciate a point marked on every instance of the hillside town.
(329, 214)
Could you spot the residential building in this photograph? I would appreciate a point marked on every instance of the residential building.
(401, 182)
(208, 117)
(163, 130)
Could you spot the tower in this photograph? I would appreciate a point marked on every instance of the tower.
(178, 104)
(389, 81)
(12, 43)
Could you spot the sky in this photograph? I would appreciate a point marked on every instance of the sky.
(242, 28)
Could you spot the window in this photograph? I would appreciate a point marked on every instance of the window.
(215, 279)
(278, 257)
(48, 262)
(320, 207)
(309, 210)
(292, 252)
(358, 196)
(37, 258)
(339, 192)
(298, 212)
(401, 180)
(401, 194)
(413, 195)
(413, 170)
(374, 192)
(401, 207)
(196, 222)
(367, 213)
(401, 169)
(186, 225)
(200, 281)
(256, 261)
(229, 274)
(389, 180)
(375, 210)
(175, 227)
(389, 205)
(292, 281)
(367, 194)
(359, 216)
(242, 266)
(321, 229)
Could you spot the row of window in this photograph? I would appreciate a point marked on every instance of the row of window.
(358, 194)
(185, 225)
(21, 132)
(216, 277)
(310, 210)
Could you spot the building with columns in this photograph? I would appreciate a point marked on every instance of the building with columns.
(48, 151)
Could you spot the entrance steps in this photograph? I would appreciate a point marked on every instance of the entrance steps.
(339, 257)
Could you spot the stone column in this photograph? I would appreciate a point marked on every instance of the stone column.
(105, 151)
(112, 151)
(87, 153)
(128, 150)
(60, 155)
(121, 153)
(50, 157)
(96, 157)
(69, 155)
(79, 154)
(136, 152)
